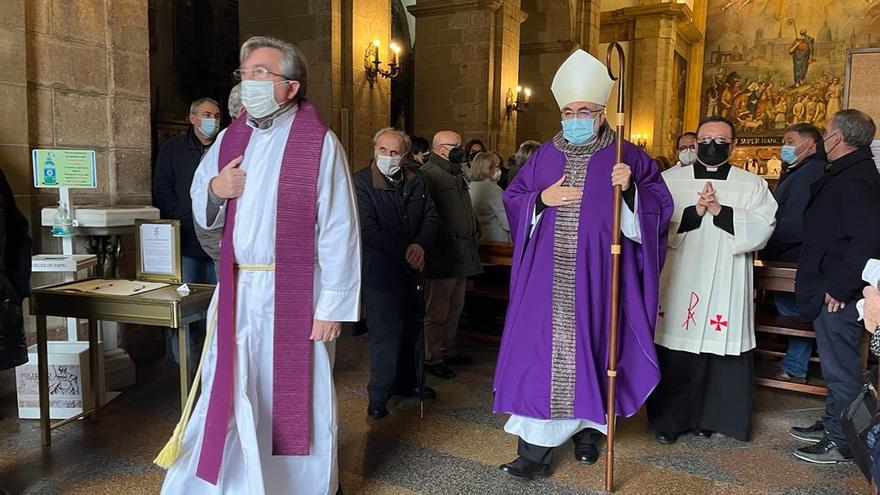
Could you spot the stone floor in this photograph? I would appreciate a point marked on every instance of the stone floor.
(456, 449)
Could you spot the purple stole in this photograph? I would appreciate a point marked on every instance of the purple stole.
(294, 278)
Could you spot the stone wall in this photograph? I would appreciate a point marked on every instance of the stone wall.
(467, 53)
(551, 32)
(88, 87)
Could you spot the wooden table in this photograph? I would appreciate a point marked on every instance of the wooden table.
(163, 307)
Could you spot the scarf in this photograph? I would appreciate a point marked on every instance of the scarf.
(294, 274)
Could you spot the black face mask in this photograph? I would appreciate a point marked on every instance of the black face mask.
(457, 155)
(713, 154)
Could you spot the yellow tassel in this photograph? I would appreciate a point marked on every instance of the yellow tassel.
(169, 454)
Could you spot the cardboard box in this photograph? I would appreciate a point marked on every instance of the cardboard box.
(70, 381)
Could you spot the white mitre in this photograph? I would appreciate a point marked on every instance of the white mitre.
(581, 78)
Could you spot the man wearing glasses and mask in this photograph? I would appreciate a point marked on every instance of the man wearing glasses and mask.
(454, 256)
(551, 372)
(705, 331)
(278, 186)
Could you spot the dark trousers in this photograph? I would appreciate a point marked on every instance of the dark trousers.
(838, 336)
(543, 455)
(393, 336)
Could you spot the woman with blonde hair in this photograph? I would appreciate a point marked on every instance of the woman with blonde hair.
(486, 197)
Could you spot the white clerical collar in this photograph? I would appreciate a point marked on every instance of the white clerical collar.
(281, 117)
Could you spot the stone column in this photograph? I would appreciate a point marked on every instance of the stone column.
(551, 32)
(468, 58)
(654, 53)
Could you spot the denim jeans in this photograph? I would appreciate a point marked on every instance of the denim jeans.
(195, 270)
(797, 357)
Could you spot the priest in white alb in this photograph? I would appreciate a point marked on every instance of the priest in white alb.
(277, 183)
(705, 327)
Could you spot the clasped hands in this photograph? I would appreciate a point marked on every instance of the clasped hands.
(708, 201)
(559, 195)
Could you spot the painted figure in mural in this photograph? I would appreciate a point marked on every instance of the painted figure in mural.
(810, 103)
(835, 90)
(799, 110)
(801, 52)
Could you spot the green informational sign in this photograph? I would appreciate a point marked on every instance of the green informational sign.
(65, 168)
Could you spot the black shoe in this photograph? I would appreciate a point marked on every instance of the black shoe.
(457, 360)
(666, 438)
(813, 433)
(702, 433)
(426, 392)
(440, 370)
(377, 411)
(824, 452)
(586, 453)
(525, 469)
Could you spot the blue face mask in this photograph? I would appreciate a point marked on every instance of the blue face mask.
(788, 154)
(208, 127)
(578, 131)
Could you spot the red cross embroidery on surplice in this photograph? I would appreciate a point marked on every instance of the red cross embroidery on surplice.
(718, 322)
(661, 313)
(692, 305)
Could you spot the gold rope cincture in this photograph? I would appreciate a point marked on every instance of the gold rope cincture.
(169, 454)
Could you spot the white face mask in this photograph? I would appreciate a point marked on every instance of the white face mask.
(497, 175)
(687, 156)
(388, 165)
(258, 98)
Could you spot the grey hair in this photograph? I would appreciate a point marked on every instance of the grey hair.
(482, 163)
(195, 105)
(856, 127)
(404, 138)
(293, 62)
(234, 103)
(526, 149)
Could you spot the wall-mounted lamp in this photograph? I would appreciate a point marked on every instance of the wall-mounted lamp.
(372, 64)
(517, 100)
(640, 140)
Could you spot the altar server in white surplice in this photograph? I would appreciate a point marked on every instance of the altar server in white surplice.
(289, 275)
(705, 327)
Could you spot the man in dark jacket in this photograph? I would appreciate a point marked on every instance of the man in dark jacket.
(398, 223)
(175, 166)
(805, 156)
(454, 256)
(15, 274)
(177, 162)
(841, 233)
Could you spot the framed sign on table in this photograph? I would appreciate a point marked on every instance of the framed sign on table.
(157, 244)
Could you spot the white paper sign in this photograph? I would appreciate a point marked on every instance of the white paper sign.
(157, 248)
(875, 148)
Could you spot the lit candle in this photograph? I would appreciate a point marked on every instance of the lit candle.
(528, 93)
(395, 51)
(376, 44)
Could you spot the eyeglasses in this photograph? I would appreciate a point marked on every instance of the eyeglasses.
(687, 147)
(259, 73)
(717, 140)
(582, 113)
(451, 145)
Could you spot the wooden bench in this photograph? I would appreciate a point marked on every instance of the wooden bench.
(779, 277)
(769, 276)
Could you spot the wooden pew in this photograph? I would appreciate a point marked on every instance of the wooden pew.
(779, 277)
(769, 276)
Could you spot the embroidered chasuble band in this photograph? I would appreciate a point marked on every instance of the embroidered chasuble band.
(565, 244)
(294, 278)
